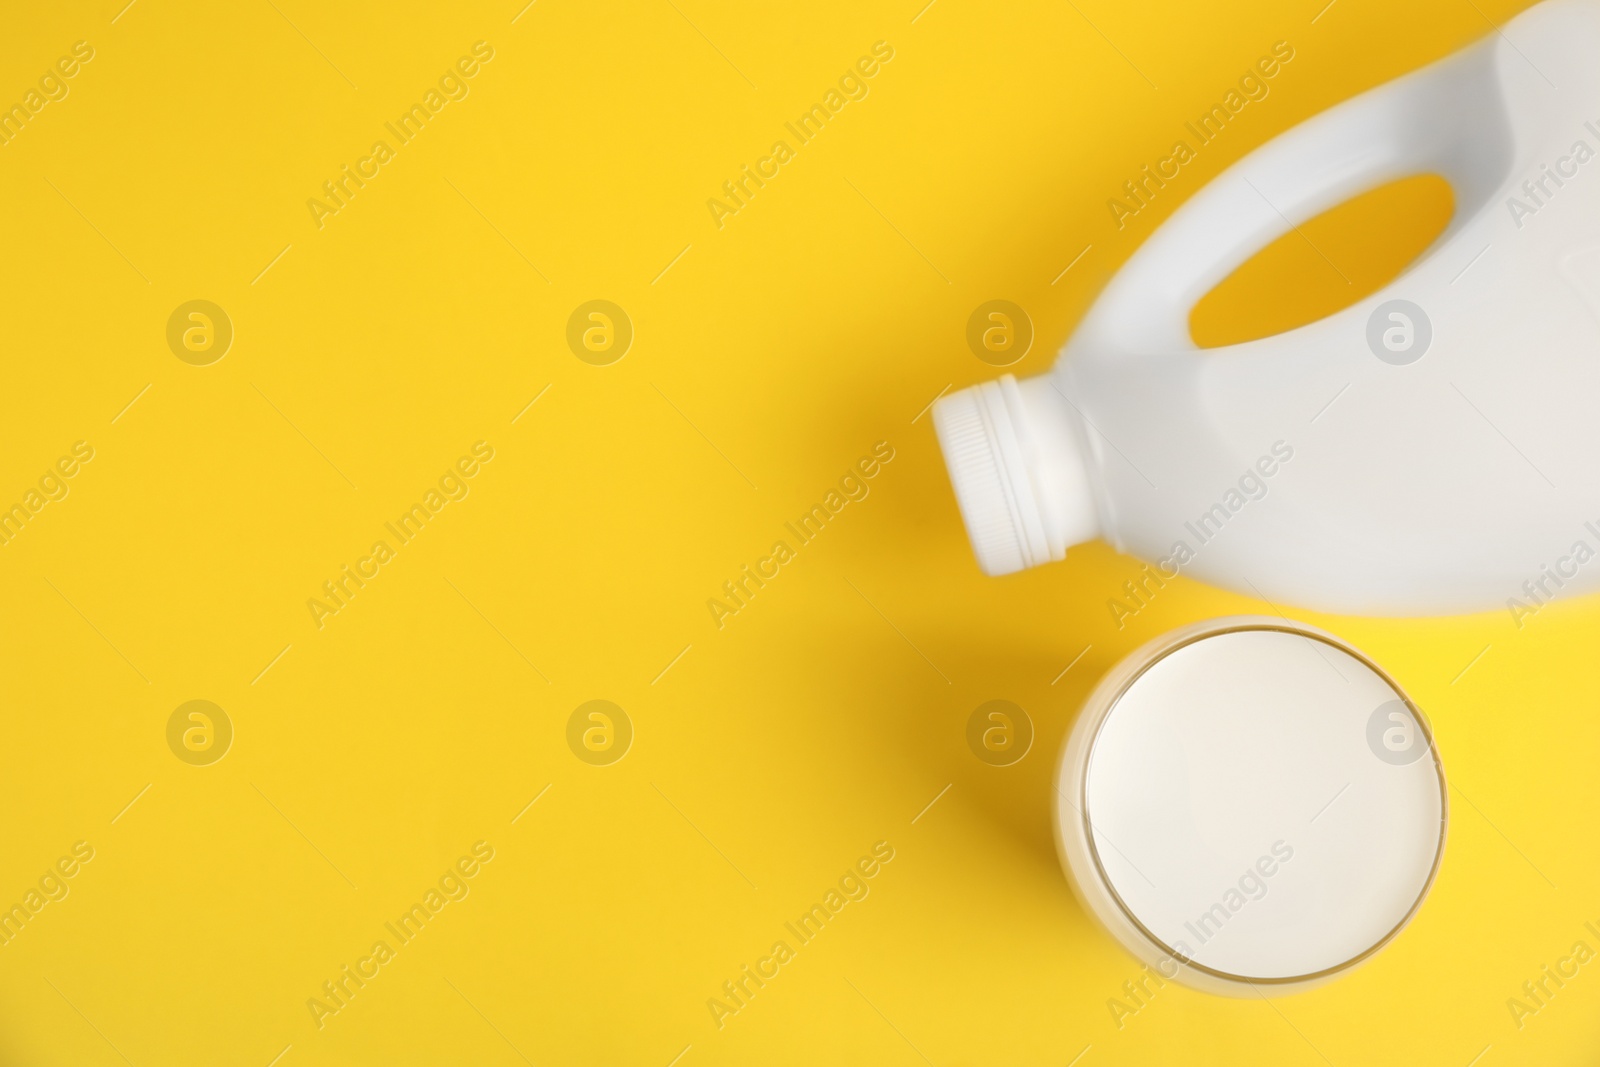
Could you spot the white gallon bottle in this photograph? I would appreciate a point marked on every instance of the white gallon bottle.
(1434, 448)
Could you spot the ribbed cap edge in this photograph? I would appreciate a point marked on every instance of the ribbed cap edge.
(972, 455)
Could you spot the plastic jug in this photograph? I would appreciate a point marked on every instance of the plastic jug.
(1434, 448)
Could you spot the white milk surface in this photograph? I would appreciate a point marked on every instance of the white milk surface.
(1250, 814)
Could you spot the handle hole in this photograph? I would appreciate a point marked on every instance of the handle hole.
(1334, 260)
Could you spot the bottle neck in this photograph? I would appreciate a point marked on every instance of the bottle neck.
(1051, 433)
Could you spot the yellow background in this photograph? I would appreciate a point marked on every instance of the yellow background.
(822, 718)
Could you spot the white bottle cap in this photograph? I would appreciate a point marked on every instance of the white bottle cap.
(1250, 802)
(1016, 463)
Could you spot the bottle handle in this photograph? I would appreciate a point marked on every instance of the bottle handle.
(1448, 118)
